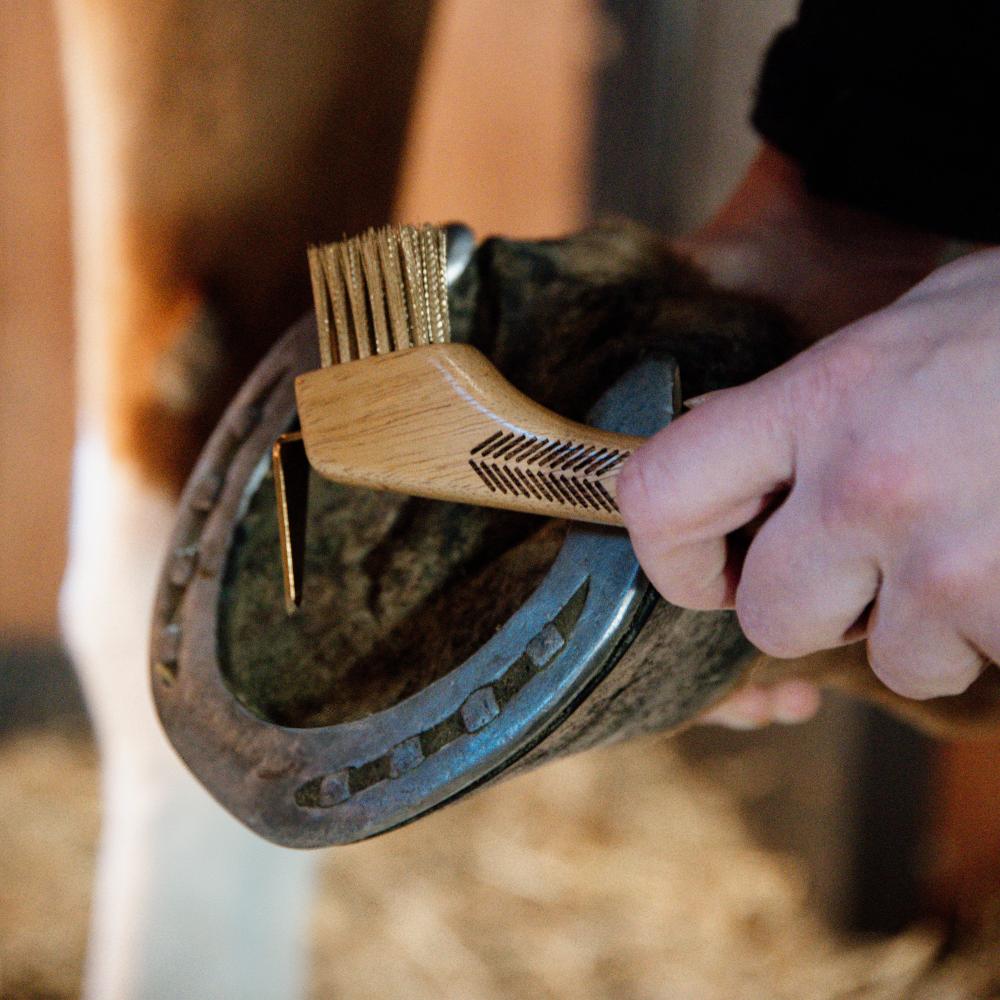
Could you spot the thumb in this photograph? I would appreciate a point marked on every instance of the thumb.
(711, 471)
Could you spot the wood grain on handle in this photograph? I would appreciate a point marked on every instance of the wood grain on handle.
(440, 421)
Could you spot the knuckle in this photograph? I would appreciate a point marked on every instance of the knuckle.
(894, 669)
(946, 580)
(875, 487)
(668, 583)
(954, 681)
(634, 493)
(767, 604)
(692, 597)
(826, 373)
(914, 674)
(689, 577)
(762, 627)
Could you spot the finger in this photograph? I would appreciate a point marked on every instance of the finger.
(916, 655)
(963, 585)
(704, 475)
(983, 634)
(701, 575)
(694, 576)
(801, 589)
(751, 707)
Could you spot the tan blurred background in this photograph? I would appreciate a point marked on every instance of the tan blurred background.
(36, 327)
(531, 116)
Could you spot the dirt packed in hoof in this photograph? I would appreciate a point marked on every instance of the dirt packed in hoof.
(626, 873)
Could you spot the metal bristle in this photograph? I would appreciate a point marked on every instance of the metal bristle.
(432, 254)
(441, 286)
(414, 281)
(322, 300)
(376, 290)
(350, 263)
(379, 292)
(395, 295)
(338, 302)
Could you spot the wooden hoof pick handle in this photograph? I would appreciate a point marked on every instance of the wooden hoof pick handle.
(441, 422)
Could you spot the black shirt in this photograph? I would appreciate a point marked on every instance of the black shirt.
(893, 107)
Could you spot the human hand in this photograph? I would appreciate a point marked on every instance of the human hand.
(756, 705)
(871, 463)
(826, 264)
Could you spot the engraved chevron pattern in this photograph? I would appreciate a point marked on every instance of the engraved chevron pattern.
(561, 472)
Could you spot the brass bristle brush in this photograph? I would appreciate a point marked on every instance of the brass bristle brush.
(397, 406)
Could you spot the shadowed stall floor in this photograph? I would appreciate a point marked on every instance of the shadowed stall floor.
(623, 873)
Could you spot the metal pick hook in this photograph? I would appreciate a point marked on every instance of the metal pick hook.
(291, 486)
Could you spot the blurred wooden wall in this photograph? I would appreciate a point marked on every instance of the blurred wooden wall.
(501, 131)
(36, 342)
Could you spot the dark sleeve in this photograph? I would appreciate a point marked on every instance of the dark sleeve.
(893, 107)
